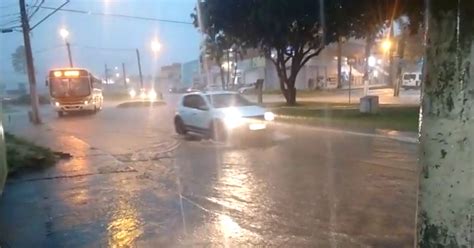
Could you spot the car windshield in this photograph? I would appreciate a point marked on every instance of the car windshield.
(228, 100)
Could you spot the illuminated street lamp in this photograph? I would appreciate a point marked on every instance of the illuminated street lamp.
(155, 46)
(386, 45)
(64, 33)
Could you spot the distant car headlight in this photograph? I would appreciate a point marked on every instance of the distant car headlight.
(57, 104)
(132, 93)
(269, 116)
(152, 95)
(142, 95)
(232, 118)
(86, 102)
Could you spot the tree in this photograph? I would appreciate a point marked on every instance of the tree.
(19, 60)
(288, 34)
(446, 190)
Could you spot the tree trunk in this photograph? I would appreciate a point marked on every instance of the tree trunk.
(368, 47)
(339, 63)
(222, 78)
(401, 53)
(446, 188)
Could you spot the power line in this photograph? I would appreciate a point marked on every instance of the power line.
(48, 49)
(8, 6)
(37, 8)
(11, 14)
(105, 48)
(50, 14)
(120, 15)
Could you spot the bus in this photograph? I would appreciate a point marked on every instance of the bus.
(74, 90)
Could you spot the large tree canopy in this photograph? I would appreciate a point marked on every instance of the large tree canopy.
(290, 32)
(19, 60)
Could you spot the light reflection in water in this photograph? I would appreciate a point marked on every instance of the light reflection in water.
(235, 190)
(228, 226)
(125, 227)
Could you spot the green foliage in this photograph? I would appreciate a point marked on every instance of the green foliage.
(26, 100)
(19, 60)
(22, 154)
(290, 33)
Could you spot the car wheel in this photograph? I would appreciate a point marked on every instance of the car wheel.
(218, 131)
(179, 126)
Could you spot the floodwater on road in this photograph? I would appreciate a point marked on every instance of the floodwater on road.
(133, 183)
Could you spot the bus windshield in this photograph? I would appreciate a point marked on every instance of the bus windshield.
(70, 87)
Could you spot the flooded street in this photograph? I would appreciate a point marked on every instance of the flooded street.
(133, 183)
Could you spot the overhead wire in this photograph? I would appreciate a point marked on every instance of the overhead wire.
(120, 16)
(37, 8)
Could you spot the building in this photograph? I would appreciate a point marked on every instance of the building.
(190, 74)
(170, 75)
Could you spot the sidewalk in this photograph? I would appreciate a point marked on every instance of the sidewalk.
(409, 98)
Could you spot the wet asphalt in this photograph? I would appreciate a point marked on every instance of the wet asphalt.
(133, 183)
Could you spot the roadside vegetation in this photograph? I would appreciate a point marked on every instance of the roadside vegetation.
(24, 155)
(392, 117)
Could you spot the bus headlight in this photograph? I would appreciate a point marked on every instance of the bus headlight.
(152, 95)
(132, 93)
(232, 118)
(269, 116)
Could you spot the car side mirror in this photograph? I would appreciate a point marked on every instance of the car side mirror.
(46, 83)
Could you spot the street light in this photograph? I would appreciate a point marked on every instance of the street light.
(155, 46)
(64, 33)
(386, 45)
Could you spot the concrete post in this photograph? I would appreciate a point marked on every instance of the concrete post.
(446, 189)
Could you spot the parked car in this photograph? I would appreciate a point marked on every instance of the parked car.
(218, 115)
(247, 89)
(411, 80)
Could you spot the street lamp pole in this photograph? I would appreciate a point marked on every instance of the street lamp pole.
(139, 68)
(69, 54)
(64, 34)
(124, 75)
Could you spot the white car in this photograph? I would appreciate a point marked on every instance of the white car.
(217, 115)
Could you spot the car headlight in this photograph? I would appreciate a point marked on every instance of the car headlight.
(132, 93)
(86, 102)
(269, 116)
(232, 118)
(152, 95)
(142, 95)
(57, 104)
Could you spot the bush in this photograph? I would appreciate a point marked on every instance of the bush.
(26, 100)
(22, 154)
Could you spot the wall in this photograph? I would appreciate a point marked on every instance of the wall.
(189, 70)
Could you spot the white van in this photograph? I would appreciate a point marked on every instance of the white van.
(411, 80)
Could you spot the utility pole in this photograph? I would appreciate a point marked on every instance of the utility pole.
(124, 75)
(69, 54)
(106, 71)
(34, 116)
(339, 62)
(139, 68)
